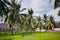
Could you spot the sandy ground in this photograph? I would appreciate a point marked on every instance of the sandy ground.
(43, 30)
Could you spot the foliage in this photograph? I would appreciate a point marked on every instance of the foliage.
(4, 7)
(57, 3)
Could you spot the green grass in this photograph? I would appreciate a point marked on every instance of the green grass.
(31, 36)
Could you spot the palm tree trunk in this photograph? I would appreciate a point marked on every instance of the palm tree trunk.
(11, 28)
(52, 27)
(3, 18)
(48, 28)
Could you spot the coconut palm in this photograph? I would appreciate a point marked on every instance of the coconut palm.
(14, 16)
(28, 21)
(29, 18)
(33, 24)
(23, 22)
(52, 20)
(46, 21)
(50, 23)
(39, 22)
(57, 3)
(45, 17)
(3, 7)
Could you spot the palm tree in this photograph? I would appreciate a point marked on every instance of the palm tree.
(39, 22)
(57, 3)
(29, 18)
(45, 17)
(50, 23)
(14, 16)
(52, 20)
(4, 9)
(23, 21)
(28, 21)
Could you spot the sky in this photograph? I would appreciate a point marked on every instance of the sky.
(41, 7)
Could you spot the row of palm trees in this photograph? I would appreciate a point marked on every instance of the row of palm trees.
(11, 12)
(30, 23)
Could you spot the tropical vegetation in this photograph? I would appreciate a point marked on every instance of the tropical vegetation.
(11, 10)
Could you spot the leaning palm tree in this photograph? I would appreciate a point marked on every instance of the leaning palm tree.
(50, 23)
(39, 22)
(57, 3)
(4, 9)
(23, 21)
(45, 17)
(30, 18)
(27, 20)
(13, 17)
(52, 20)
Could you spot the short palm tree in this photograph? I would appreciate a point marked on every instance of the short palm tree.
(33, 24)
(50, 23)
(45, 18)
(52, 20)
(39, 22)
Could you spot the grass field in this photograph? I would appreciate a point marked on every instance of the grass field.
(31, 36)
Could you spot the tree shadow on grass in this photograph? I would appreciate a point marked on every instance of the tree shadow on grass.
(17, 33)
(6, 39)
(2, 34)
(25, 33)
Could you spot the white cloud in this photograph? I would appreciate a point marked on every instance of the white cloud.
(42, 5)
(26, 4)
